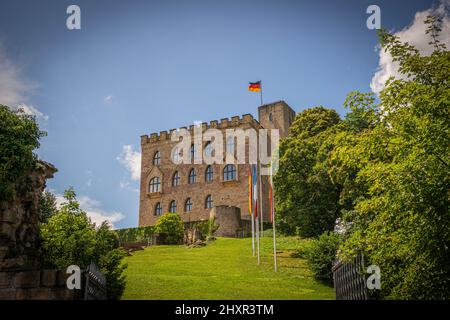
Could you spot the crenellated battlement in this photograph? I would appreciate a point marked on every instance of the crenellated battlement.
(224, 123)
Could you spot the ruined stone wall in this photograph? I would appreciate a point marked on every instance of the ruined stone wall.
(21, 276)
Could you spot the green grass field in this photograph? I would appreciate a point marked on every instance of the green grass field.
(224, 269)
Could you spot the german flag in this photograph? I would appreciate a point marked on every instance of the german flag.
(254, 86)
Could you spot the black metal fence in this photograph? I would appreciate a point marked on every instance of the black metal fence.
(95, 288)
(350, 280)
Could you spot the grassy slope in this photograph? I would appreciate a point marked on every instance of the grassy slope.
(224, 269)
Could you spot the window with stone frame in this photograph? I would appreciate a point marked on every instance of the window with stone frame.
(154, 185)
(209, 173)
(157, 158)
(173, 206)
(229, 172)
(188, 205)
(192, 178)
(209, 202)
(176, 179)
(158, 209)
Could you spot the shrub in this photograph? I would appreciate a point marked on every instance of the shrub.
(170, 227)
(140, 234)
(69, 237)
(320, 255)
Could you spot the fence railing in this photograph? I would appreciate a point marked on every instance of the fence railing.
(95, 288)
(350, 280)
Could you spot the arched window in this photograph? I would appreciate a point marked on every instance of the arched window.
(229, 172)
(192, 176)
(158, 209)
(270, 117)
(176, 155)
(188, 205)
(154, 185)
(209, 172)
(173, 206)
(209, 202)
(208, 149)
(192, 152)
(230, 145)
(176, 179)
(157, 158)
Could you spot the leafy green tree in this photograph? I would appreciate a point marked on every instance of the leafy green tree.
(170, 227)
(47, 206)
(396, 173)
(307, 201)
(69, 237)
(19, 136)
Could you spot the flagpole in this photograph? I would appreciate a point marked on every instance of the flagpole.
(261, 201)
(275, 264)
(257, 238)
(261, 91)
(257, 217)
(253, 233)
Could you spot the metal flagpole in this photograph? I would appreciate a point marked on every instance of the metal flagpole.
(261, 201)
(260, 182)
(253, 232)
(257, 215)
(275, 264)
(260, 85)
(257, 238)
(250, 206)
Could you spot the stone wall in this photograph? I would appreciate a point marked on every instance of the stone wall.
(229, 220)
(21, 276)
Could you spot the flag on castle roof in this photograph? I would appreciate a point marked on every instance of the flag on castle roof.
(254, 86)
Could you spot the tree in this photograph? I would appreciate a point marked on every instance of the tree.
(19, 136)
(397, 174)
(69, 237)
(170, 227)
(47, 206)
(306, 198)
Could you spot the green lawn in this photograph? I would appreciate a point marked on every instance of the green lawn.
(224, 269)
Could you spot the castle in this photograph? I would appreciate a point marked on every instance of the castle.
(195, 191)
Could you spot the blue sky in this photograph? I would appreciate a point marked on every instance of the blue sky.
(137, 67)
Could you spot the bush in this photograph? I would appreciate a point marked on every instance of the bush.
(320, 255)
(69, 237)
(140, 234)
(170, 227)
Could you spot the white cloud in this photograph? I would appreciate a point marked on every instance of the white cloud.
(109, 99)
(14, 89)
(93, 210)
(413, 34)
(97, 214)
(131, 160)
(127, 186)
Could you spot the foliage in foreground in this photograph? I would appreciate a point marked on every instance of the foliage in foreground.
(321, 253)
(384, 170)
(401, 218)
(19, 136)
(69, 237)
(306, 199)
(130, 235)
(170, 227)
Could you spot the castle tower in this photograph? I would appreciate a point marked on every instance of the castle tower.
(276, 115)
